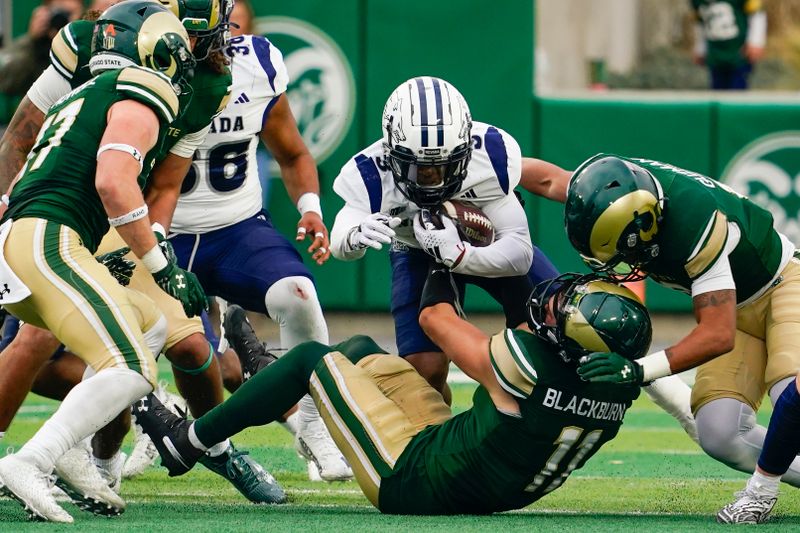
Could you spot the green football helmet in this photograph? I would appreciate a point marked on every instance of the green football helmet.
(208, 20)
(142, 33)
(612, 216)
(589, 314)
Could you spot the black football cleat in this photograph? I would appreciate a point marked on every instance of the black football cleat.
(169, 433)
(252, 353)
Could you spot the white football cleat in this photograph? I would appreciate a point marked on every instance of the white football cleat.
(747, 508)
(315, 444)
(78, 476)
(313, 471)
(144, 453)
(29, 486)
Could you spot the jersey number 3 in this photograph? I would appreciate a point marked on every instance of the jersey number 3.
(226, 168)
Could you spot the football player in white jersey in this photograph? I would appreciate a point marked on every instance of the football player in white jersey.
(432, 151)
(221, 232)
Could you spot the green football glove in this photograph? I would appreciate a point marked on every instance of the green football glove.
(609, 367)
(120, 268)
(183, 286)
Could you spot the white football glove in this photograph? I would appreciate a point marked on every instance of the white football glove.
(444, 245)
(374, 231)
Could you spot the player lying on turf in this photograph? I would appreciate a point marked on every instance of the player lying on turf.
(532, 423)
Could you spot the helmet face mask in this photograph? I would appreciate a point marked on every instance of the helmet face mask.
(426, 140)
(582, 314)
(612, 216)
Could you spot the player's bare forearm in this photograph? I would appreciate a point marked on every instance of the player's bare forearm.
(164, 188)
(133, 124)
(280, 134)
(544, 179)
(18, 140)
(714, 334)
(467, 347)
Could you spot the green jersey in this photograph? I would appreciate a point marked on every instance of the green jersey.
(70, 54)
(698, 216)
(725, 28)
(58, 180)
(484, 461)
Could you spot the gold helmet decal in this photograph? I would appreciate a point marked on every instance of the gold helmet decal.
(610, 225)
(151, 33)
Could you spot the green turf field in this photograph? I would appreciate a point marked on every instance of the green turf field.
(651, 478)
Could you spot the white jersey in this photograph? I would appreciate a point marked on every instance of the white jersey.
(366, 185)
(223, 187)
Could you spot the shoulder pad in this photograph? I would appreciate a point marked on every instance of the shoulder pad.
(709, 247)
(150, 88)
(511, 364)
(271, 62)
(64, 51)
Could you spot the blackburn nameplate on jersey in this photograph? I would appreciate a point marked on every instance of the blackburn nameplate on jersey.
(768, 171)
(321, 87)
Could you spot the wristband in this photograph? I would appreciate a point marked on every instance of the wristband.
(154, 260)
(159, 230)
(4, 199)
(655, 365)
(309, 201)
(127, 218)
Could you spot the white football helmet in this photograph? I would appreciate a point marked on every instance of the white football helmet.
(426, 139)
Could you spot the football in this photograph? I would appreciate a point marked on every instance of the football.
(472, 223)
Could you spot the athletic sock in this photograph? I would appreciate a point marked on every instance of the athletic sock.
(783, 436)
(81, 414)
(307, 411)
(291, 423)
(763, 484)
(219, 448)
(109, 464)
(264, 397)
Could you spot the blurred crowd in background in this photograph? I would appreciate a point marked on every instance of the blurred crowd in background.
(596, 44)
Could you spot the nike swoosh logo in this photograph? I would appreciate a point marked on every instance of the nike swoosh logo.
(174, 452)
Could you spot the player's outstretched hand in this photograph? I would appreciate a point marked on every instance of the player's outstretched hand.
(183, 286)
(311, 225)
(609, 367)
(374, 231)
(120, 268)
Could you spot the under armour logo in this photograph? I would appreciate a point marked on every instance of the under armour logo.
(625, 371)
(180, 284)
(5, 290)
(143, 405)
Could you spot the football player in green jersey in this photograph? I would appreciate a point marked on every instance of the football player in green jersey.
(730, 36)
(84, 174)
(532, 423)
(196, 371)
(637, 217)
